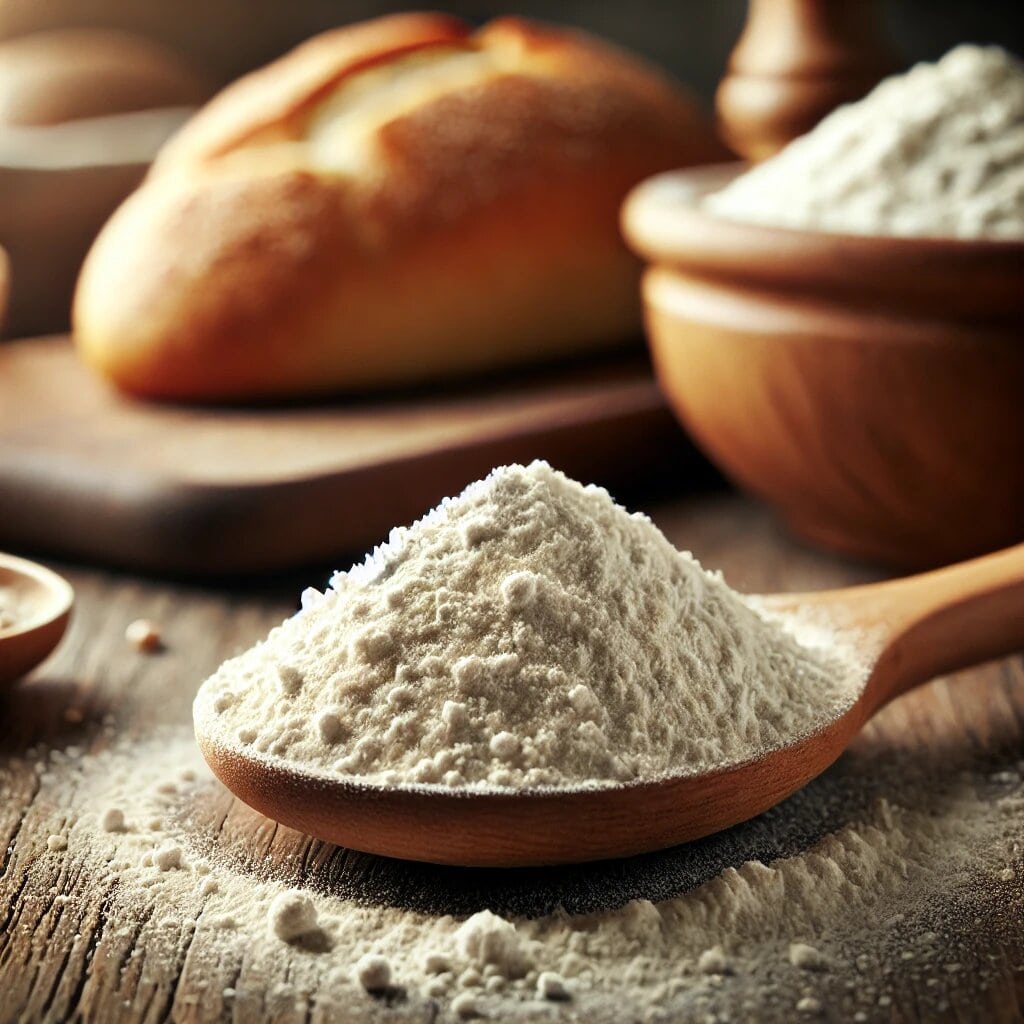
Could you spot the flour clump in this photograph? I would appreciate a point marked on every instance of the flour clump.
(567, 644)
(292, 916)
(486, 938)
(938, 151)
(373, 972)
(714, 961)
(168, 857)
(112, 820)
(552, 986)
(806, 957)
(465, 1006)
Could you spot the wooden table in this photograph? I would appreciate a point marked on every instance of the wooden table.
(50, 962)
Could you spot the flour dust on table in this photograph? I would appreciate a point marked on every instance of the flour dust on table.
(528, 633)
(826, 931)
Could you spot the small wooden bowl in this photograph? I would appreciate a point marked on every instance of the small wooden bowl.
(871, 388)
(46, 601)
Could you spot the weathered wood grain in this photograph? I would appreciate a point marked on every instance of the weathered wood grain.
(71, 954)
(90, 474)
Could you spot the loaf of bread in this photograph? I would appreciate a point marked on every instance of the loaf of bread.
(396, 201)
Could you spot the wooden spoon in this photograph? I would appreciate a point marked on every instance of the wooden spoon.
(40, 603)
(907, 630)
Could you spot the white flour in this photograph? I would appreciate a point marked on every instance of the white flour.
(936, 151)
(753, 942)
(12, 608)
(528, 633)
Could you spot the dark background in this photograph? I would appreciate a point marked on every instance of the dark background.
(693, 38)
(690, 37)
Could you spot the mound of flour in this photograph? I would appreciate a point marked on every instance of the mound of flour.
(527, 633)
(936, 151)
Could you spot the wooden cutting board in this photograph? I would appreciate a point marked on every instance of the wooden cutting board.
(88, 473)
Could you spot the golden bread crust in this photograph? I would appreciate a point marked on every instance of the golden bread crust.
(456, 213)
(272, 96)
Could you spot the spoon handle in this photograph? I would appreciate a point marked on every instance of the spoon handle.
(944, 620)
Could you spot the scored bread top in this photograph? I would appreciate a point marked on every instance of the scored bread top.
(391, 202)
(276, 93)
(335, 92)
(419, 120)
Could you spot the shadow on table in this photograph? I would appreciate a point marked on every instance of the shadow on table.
(843, 796)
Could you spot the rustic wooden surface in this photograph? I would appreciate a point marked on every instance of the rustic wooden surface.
(66, 960)
(87, 473)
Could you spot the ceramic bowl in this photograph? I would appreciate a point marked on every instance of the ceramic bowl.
(870, 388)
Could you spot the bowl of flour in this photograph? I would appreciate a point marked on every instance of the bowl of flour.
(839, 327)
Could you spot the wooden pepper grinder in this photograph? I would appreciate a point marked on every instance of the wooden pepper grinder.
(795, 62)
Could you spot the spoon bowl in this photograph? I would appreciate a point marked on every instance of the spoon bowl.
(39, 603)
(907, 630)
(528, 828)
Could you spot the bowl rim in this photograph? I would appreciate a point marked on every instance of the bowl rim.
(680, 193)
(60, 593)
(663, 222)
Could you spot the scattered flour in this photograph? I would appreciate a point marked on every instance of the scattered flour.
(242, 912)
(528, 633)
(936, 151)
